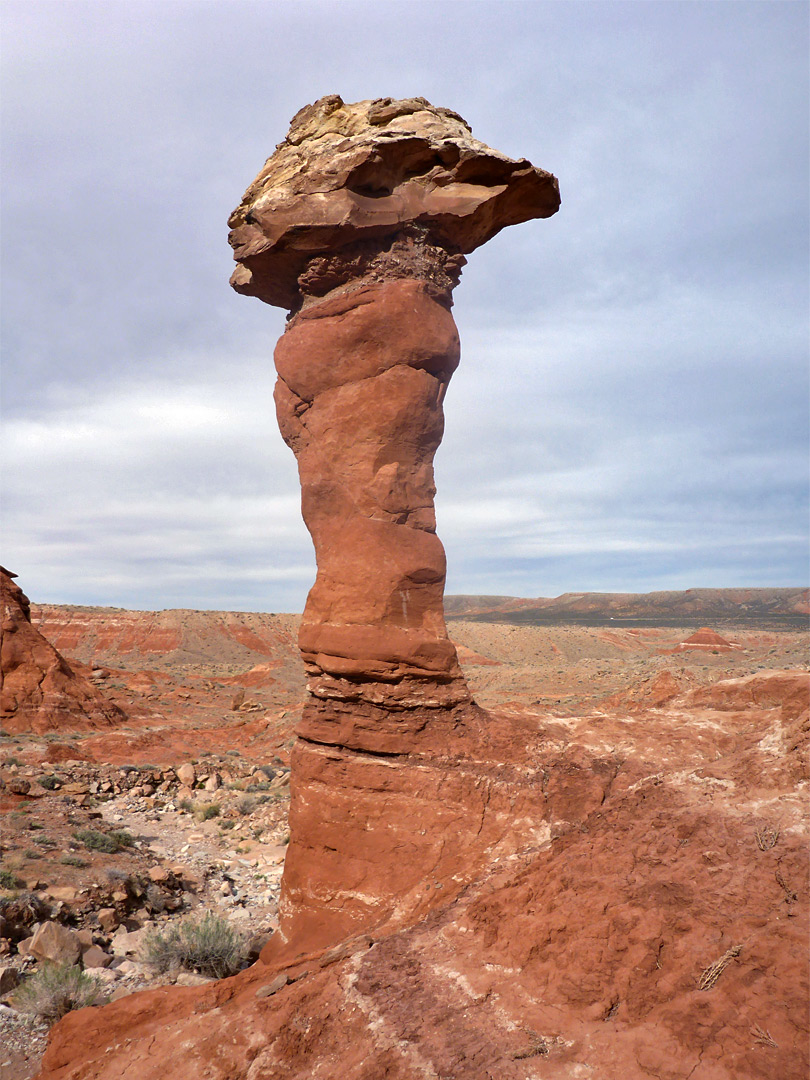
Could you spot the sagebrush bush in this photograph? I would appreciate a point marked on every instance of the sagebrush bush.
(209, 945)
(99, 841)
(8, 879)
(55, 990)
(205, 813)
(73, 860)
(247, 804)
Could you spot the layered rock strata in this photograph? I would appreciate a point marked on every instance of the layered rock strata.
(359, 224)
(39, 691)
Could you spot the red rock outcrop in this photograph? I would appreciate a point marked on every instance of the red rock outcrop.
(465, 897)
(39, 691)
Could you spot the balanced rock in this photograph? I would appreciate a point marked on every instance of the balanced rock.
(39, 691)
(359, 223)
(378, 190)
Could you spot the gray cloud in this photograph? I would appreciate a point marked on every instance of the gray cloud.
(630, 412)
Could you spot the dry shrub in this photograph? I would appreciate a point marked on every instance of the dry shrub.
(210, 946)
(55, 990)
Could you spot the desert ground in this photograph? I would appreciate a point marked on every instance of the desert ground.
(660, 904)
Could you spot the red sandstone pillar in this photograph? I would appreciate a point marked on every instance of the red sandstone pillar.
(358, 224)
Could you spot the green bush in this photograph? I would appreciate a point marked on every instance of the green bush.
(8, 879)
(210, 946)
(98, 841)
(205, 813)
(55, 990)
(73, 860)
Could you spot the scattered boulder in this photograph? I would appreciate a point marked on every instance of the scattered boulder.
(187, 775)
(55, 942)
(95, 957)
(9, 979)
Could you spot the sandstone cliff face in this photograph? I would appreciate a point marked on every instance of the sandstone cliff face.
(39, 691)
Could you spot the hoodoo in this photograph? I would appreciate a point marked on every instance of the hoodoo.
(359, 224)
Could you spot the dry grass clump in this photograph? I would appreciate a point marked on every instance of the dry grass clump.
(715, 970)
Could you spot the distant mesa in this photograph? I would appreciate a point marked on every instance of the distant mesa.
(39, 691)
(788, 606)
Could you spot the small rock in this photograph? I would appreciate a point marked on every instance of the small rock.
(104, 975)
(131, 967)
(159, 874)
(273, 987)
(9, 979)
(62, 892)
(24, 946)
(107, 919)
(18, 786)
(187, 775)
(127, 944)
(192, 978)
(95, 957)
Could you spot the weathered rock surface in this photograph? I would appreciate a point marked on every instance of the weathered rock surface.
(357, 190)
(39, 691)
(56, 943)
(358, 222)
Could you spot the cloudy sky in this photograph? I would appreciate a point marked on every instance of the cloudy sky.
(631, 409)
